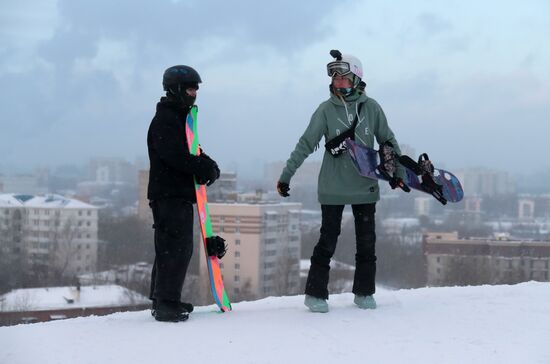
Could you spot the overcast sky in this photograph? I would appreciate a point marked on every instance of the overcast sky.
(466, 81)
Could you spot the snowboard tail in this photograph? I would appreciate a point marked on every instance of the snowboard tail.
(441, 184)
(212, 262)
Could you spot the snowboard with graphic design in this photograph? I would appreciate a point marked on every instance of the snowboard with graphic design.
(447, 187)
(213, 264)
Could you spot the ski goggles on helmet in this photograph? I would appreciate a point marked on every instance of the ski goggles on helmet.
(338, 68)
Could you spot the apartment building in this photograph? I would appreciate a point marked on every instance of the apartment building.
(263, 248)
(454, 261)
(49, 231)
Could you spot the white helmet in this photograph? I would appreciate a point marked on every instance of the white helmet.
(345, 64)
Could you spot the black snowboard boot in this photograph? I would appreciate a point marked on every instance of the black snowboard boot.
(185, 306)
(170, 311)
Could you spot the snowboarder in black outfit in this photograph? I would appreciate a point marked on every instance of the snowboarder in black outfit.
(171, 191)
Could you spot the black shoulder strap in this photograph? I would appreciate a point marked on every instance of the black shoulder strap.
(336, 145)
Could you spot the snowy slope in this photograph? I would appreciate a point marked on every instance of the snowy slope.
(486, 324)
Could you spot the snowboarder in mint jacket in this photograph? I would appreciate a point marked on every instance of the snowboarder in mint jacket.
(339, 184)
(171, 191)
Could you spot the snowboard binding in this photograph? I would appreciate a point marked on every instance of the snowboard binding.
(425, 169)
(215, 246)
(387, 167)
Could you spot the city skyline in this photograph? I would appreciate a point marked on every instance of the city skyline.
(467, 88)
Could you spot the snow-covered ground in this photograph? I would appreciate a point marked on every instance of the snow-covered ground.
(485, 324)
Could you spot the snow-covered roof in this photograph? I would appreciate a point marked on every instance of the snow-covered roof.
(41, 201)
(54, 298)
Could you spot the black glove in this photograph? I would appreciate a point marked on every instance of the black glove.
(283, 189)
(215, 245)
(206, 170)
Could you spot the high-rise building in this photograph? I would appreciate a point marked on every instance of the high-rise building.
(263, 248)
(486, 182)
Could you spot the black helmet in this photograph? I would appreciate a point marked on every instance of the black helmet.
(176, 75)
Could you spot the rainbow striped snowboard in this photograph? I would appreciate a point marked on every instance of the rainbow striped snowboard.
(216, 282)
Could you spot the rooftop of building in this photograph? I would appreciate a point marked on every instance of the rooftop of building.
(41, 201)
(55, 298)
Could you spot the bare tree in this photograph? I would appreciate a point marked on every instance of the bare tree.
(64, 248)
(14, 271)
(286, 273)
(464, 270)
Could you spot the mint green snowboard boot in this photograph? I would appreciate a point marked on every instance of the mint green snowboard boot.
(365, 302)
(316, 304)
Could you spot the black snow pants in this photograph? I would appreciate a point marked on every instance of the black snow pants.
(173, 224)
(365, 258)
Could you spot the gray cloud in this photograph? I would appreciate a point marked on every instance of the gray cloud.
(68, 107)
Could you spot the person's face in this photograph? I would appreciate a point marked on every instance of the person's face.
(341, 82)
(191, 91)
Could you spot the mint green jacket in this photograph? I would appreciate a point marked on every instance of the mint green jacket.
(338, 182)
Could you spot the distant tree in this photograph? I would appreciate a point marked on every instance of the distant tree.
(466, 270)
(286, 273)
(14, 272)
(64, 248)
(128, 240)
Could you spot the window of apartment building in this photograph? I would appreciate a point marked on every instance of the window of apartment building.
(270, 253)
(80, 223)
(236, 290)
(89, 213)
(88, 245)
(237, 241)
(237, 278)
(88, 223)
(88, 236)
(47, 212)
(237, 266)
(78, 257)
(221, 265)
(79, 212)
(36, 222)
(237, 254)
(36, 211)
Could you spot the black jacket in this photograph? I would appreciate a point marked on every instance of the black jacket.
(172, 166)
